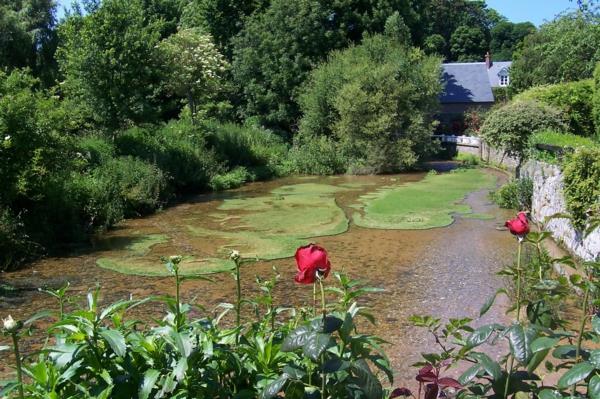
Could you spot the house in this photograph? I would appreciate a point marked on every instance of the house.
(468, 85)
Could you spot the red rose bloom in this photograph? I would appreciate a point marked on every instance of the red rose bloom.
(518, 226)
(310, 260)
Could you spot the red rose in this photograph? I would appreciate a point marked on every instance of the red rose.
(310, 260)
(518, 226)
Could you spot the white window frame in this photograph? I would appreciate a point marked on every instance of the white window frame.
(503, 79)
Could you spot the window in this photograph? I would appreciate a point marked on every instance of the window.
(504, 80)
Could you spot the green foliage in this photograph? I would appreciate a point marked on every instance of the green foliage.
(510, 126)
(562, 50)
(596, 100)
(373, 102)
(232, 179)
(564, 140)
(319, 155)
(178, 148)
(574, 99)
(109, 61)
(193, 65)
(516, 194)
(434, 45)
(258, 150)
(468, 43)
(581, 172)
(15, 245)
(507, 36)
(296, 351)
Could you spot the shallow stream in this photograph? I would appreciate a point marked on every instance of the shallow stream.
(447, 272)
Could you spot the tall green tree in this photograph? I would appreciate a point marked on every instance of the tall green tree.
(563, 50)
(110, 64)
(507, 36)
(28, 37)
(468, 44)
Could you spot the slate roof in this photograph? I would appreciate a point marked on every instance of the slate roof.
(495, 70)
(470, 82)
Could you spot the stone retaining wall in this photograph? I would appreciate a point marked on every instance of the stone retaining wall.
(548, 200)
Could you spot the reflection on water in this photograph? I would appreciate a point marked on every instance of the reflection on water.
(447, 272)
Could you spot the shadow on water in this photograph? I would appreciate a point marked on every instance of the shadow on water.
(447, 272)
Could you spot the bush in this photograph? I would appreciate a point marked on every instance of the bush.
(15, 245)
(582, 185)
(233, 179)
(374, 103)
(516, 194)
(574, 99)
(178, 148)
(254, 148)
(596, 100)
(509, 127)
(140, 186)
(564, 142)
(315, 156)
(95, 150)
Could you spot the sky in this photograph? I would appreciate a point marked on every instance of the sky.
(536, 11)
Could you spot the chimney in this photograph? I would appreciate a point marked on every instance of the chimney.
(488, 60)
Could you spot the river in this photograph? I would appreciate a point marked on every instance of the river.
(446, 272)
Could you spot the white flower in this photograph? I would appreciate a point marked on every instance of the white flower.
(9, 324)
(234, 255)
(7, 137)
(176, 259)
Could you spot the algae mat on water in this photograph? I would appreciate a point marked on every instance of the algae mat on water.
(426, 204)
(265, 227)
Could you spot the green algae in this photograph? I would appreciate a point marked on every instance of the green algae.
(189, 266)
(426, 204)
(478, 216)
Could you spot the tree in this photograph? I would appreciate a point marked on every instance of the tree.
(193, 64)
(565, 49)
(375, 102)
(434, 44)
(507, 36)
(397, 29)
(110, 64)
(510, 127)
(275, 52)
(28, 36)
(468, 44)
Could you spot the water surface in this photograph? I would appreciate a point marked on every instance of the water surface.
(446, 272)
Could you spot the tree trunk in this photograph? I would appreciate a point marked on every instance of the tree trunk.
(192, 105)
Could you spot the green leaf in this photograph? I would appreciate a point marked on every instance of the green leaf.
(520, 341)
(294, 372)
(296, 339)
(8, 388)
(543, 343)
(366, 380)
(593, 391)
(491, 367)
(150, 377)
(116, 340)
(315, 345)
(274, 387)
(327, 325)
(468, 375)
(576, 374)
(596, 324)
(490, 301)
(595, 358)
(537, 358)
(480, 335)
(549, 394)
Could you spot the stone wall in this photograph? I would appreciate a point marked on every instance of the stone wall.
(548, 200)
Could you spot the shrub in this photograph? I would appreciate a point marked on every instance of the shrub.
(509, 127)
(141, 186)
(252, 147)
(232, 179)
(178, 148)
(374, 103)
(15, 245)
(582, 184)
(574, 99)
(559, 143)
(95, 150)
(315, 156)
(596, 100)
(516, 194)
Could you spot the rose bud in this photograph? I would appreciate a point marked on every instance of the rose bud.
(310, 261)
(9, 324)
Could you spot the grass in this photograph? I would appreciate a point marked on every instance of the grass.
(565, 140)
(425, 204)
